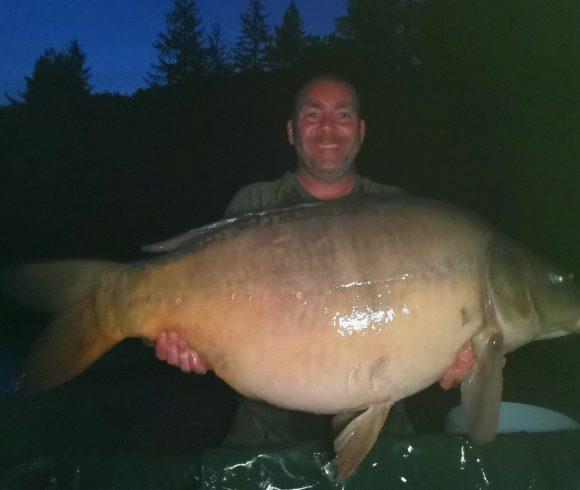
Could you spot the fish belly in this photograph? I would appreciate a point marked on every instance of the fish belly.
(351, 346)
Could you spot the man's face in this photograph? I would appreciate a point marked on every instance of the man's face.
(328, 132)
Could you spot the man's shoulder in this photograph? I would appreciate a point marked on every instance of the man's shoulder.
(255, 196)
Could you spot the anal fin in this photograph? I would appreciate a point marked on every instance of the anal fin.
(355, 441)
(341, 420)
(481, 389)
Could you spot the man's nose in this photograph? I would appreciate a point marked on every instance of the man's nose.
(327, 123)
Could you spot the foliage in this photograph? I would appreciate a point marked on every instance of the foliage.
(59, 78)
(290, 39)
(180, 51)
(254, 41)
(217, 53)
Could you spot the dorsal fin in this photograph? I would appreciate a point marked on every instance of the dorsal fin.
(197, 238)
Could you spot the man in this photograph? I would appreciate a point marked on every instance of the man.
(326, 130)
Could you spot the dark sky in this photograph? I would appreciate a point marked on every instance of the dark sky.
(118, 35)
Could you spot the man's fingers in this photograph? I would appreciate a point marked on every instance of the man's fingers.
(196, 365)
(171, 349)
(161, 346)
(184, 357)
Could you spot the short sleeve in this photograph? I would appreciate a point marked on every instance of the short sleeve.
(252, 197)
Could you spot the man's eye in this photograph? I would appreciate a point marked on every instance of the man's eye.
(345, 115)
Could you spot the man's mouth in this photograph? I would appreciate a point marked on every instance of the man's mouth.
(328, 146)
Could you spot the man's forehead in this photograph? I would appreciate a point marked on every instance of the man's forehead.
(321, 103)
(328, 93)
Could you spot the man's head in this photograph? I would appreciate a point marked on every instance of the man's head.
(326, 128)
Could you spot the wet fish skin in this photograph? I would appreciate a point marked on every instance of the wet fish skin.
(343, 307)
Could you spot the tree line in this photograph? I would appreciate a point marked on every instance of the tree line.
(186, 52)
(377, 38)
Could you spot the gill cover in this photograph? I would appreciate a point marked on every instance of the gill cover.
(510, 303)
(531, 298)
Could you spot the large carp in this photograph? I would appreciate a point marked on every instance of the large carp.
(337, 308)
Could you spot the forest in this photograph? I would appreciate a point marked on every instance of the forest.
(472, 102)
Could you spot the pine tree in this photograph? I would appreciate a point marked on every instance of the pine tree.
(217, 52)
(180, 50)
(59, 78)
(290, 38)
(254, 41)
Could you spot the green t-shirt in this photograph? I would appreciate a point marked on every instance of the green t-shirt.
(287, 191)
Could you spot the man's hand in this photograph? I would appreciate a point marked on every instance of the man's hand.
(171, 348)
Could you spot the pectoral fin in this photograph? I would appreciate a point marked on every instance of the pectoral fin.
(355, 441)
(482, 387)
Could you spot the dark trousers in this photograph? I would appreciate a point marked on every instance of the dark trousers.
(257, 423)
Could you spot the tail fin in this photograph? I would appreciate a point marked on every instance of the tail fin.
(75, 339)
(66, 348)
(53, 286)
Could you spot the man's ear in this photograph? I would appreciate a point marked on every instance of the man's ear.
(290, 131)
(363, 128)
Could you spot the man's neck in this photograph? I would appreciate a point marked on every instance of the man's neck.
(326, 191)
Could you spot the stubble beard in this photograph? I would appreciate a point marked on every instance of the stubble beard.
(330, 175)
